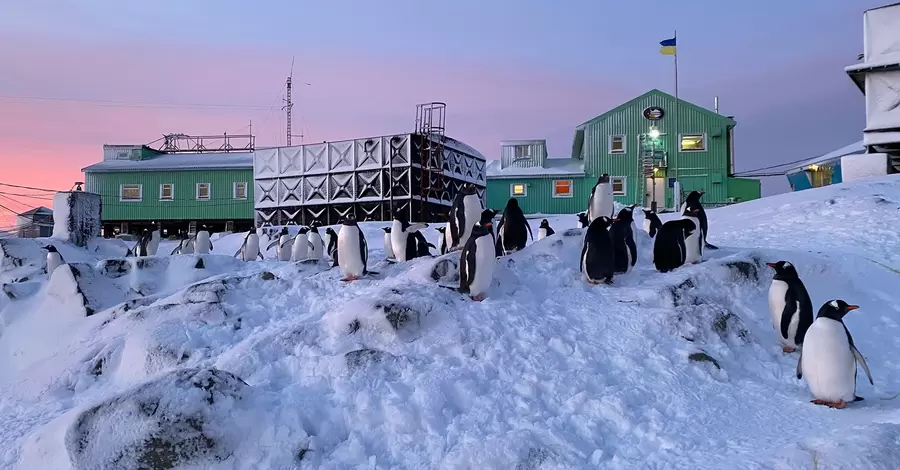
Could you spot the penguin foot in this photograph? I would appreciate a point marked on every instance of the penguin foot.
(840, 404)
(788, 349)
(478, 298)
(350, 278)
(608, 281)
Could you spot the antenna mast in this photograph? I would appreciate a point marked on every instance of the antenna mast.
(288, 103)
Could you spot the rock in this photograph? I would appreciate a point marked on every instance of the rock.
(19, 252)
(183, 417)
(745, 270)
(399, 316)
(114, 268)
(21, 290)
(534, 460)
(726, 323)
(709, 321)
(148, 274)
(199, 264)
(573, 232)
(76, 216)
(446, 271)
(212, 291)
(267, 276)
(361, 358)
(80, 285)
(703, 357)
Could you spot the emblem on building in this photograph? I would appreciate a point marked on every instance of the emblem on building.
(654, 113)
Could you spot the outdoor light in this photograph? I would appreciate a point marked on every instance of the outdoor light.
(814, 167)
(654, 133)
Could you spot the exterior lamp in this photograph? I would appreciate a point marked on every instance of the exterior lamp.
(654, 133)
(814, 167)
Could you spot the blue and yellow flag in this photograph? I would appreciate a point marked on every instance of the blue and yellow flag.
(668, 47)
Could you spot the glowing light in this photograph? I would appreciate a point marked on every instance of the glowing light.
(814, 167)
(654, 133)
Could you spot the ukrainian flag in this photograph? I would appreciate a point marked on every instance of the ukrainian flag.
(668, 47)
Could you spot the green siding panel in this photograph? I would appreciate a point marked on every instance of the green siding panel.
(743, 189)
(539, 195)
(185, 206)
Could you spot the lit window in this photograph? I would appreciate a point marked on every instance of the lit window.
(203, 191)
(522, 151)
(166, 192)
(562, 188)
(617, 144)
(693, 142)
(517, 189)
(618, 186)
(130, 192)
(240, 190)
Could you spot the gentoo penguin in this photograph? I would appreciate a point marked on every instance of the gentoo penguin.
(442, 242)
(141, 248)
(185, 245)
(622, 233)
(401, 230)
(301, 245)
(601, 201)
(597, 263)
(545, 230)
(511, 231)
(284, 244)
(668, 246)
(693, 200)
(54, 259)
(315, 241)
(153, 243)
(828, 357)
(476, 263)
(332, 245)
(249, 250)
(694, 242)
(789, 305)
(651, 222)
(352, 251)
(583, 220)
(202, 244)
(487, 222)
(388, 247)
(464, 213)
(422, 245)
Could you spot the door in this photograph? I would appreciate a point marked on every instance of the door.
(656, 192)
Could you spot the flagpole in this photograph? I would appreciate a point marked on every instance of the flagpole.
(677, 136)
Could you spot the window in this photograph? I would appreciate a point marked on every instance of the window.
(618, 185)
(130, 192)
(522, 151)
(562, 188)
(617, 144)
(240, 190)
(693, 142)
(166, 192)
(517, 189)
(203, 191)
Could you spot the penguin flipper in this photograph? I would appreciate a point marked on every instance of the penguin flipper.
(260, 255)
(211, 246)
(632, 247)
(272, 244)
(581, 259)
(711, 246)
(177, 248)
(415, 227)
(238, 252)
(862, 361)
(799, 362)
(790, 309)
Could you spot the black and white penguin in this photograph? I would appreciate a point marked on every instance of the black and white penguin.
(651, 222)
(401, 231)
(624, 246)
(140, 249)
(331, 249)
(477, 262)
(693, 200)
(789, 305)
(601, 201)
(422, 245)
(583, 220)
(668, 246)
(464, 214)
(597, 261)
(153, 243)
(249, 250)
(185, 244)
(513, 229)
(202, 244)
(694, 242)
(388, 247)
(828, 357)
(352, 252)
(54, 259)
(317, 247)
(545, 230)
(282, 249)
(301, 245)
(443, 240)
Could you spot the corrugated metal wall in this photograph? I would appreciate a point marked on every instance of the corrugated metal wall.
(538, 149)
(707, 170)
(185, 206)
(743, 189)
(539, 195)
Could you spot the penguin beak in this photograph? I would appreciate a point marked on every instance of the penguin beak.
(852, 307)
(489, 224)
(615, 220)
(771, 265)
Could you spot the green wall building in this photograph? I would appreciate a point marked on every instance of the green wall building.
(645, 145)
(140, 186)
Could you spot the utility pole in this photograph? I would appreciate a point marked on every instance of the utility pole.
(288, 105)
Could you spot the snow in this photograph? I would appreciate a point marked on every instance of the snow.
(178, 161)
(76, 216)
(868, 165)
(272, 364)
(552, 167)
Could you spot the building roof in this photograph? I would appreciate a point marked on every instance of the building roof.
(852, 149)
(552, 167)
(36, 210)
(177, 161)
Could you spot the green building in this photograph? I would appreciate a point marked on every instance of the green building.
(646, 145)
(139, 185)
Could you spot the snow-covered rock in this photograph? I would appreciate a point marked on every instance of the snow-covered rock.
(76, 217)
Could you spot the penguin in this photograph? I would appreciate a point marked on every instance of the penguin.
(624, 246)
(388, 247)
(185, 245)
(583, 220)
(401, 230)
(545, 230)
(284, 245)
(352, 250)
(487, 222)
(694, 242)
(651, 222)
(693, 200)
(140, 249)
(54, 259)
(601, 201)
(442, 242)
(597, 262)
(668, 246)
(511, 235)
(464, 213)
(315, 241)
(789, 305)
(332, 245)
(249, 249)
(829, 356)
(153, 243)
(477, 262)
(422, 245)
(301, 245)
(202, 245)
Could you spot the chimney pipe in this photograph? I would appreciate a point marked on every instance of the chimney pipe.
(717, 105)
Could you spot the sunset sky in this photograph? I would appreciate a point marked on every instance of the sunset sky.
(76, 75)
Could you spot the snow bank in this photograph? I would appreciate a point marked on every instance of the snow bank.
(862, 166)
(76, 217)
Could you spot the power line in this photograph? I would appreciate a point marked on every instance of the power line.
(32, 196)
(31, 188)
(126, 104)
(740, 173)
